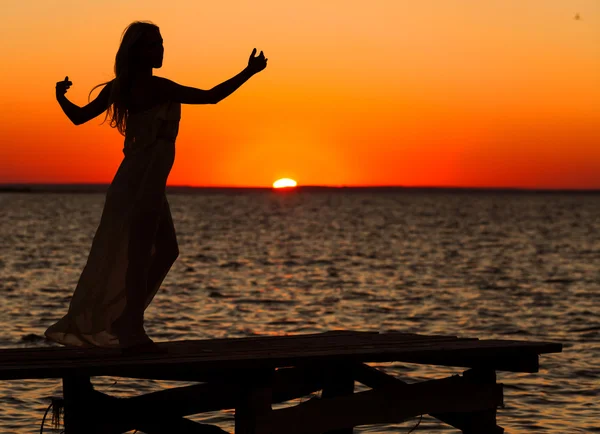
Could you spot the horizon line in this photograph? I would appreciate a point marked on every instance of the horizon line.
(7, 187)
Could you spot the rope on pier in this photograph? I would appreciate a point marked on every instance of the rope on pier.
(58, 412)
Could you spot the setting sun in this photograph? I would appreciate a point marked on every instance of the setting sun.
(284, 183)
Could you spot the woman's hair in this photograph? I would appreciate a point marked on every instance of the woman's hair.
(125, 61)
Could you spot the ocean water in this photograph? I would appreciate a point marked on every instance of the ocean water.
(480, 264)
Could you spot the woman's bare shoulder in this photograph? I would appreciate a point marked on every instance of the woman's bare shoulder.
(172, 91)
(162, 82)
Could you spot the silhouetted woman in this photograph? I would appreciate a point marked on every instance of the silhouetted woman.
(135, 243)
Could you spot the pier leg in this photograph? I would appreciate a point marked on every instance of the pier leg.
(475, 422)
(253, 408)
(339, 381)
(77, 395)
(482, 422)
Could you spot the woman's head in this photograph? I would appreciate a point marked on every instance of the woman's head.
(140, 50)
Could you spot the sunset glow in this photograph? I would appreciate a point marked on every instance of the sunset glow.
(497, 93)
(284, 183)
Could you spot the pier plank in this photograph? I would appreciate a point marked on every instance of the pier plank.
(221, 355)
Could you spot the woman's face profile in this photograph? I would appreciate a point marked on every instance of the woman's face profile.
(152, 53)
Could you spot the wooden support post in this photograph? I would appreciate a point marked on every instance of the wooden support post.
(339, 381)
(77, 395)
(475, 422)
(482, 422)
(253, 409)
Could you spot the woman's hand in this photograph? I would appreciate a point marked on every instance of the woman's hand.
(258, 63)
(62, 87)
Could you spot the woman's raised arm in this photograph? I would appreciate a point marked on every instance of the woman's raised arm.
(192, 95)
(80, 115)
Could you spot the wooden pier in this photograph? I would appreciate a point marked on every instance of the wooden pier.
(251, 374)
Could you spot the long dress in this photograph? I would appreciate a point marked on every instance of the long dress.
(135, 242)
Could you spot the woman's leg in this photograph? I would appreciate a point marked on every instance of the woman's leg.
(166, 251)
(130, 326)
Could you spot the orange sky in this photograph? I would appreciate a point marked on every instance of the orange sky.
(432, 93)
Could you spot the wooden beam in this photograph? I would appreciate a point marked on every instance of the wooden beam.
(374, 378)
(292, 383)
(96, 412)
(390, 404)
(287, 384)
(465, 421)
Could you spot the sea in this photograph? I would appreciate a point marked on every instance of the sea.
(488, 264)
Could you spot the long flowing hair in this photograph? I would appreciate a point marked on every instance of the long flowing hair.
(125, 62)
